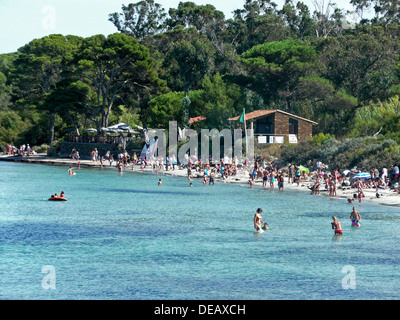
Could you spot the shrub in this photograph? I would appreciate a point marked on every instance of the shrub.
(321, 138)
(42, 148)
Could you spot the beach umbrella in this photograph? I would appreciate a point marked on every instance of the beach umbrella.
(138, 127)
(362, 175)
(346, 172)
(304, 169)
(91, 130)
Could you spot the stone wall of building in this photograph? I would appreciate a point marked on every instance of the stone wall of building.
(305, 130)
(282, 125)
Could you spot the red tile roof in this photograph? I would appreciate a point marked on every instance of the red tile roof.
(199, 118)
(254, 115)
(262, 113)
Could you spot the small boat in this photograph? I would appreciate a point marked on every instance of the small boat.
(58, 199)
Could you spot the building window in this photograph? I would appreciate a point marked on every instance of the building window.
(293, 126)
(264, 126)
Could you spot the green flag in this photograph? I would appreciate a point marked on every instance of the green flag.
(241, 118)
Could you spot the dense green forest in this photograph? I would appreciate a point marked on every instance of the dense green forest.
(191, 61)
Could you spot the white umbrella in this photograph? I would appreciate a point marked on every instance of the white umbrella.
(362, 175)
(116, 126)
(121, 128)
(138, 127)
(91, 130)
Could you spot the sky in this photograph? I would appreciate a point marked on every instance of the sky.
(24, 20)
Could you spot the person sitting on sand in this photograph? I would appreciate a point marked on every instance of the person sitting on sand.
(336, 225)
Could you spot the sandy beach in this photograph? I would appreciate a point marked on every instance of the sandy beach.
(386, 196)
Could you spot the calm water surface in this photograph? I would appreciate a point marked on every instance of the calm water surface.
(124, 237)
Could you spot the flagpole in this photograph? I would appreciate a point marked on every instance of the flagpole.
(245, 131)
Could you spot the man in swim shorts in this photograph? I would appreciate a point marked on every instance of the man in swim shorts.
(265, 178)
(337, 226)
(355, 216)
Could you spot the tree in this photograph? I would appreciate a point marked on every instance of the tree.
(193, 61)
(274, 68)
(38, 68)
(5, 92)
(113, 67)
(386, 11)
(205, 18)
(217, 101)
(361, 64)
(140, 20)
(327, 23)
(298, 19)
(165, 108)
(258, 22)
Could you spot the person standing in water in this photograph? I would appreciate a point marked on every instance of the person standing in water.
(355, 216)
(337, 226)
(258, 220)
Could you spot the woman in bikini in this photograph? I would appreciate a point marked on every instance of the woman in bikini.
(258, 220)
(337, 226)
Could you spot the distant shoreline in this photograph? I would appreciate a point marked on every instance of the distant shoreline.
(387, 197)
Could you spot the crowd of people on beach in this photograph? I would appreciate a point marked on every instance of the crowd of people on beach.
(23, 150)
(321, 179)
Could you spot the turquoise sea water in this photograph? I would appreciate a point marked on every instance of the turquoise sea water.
(124, 237)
